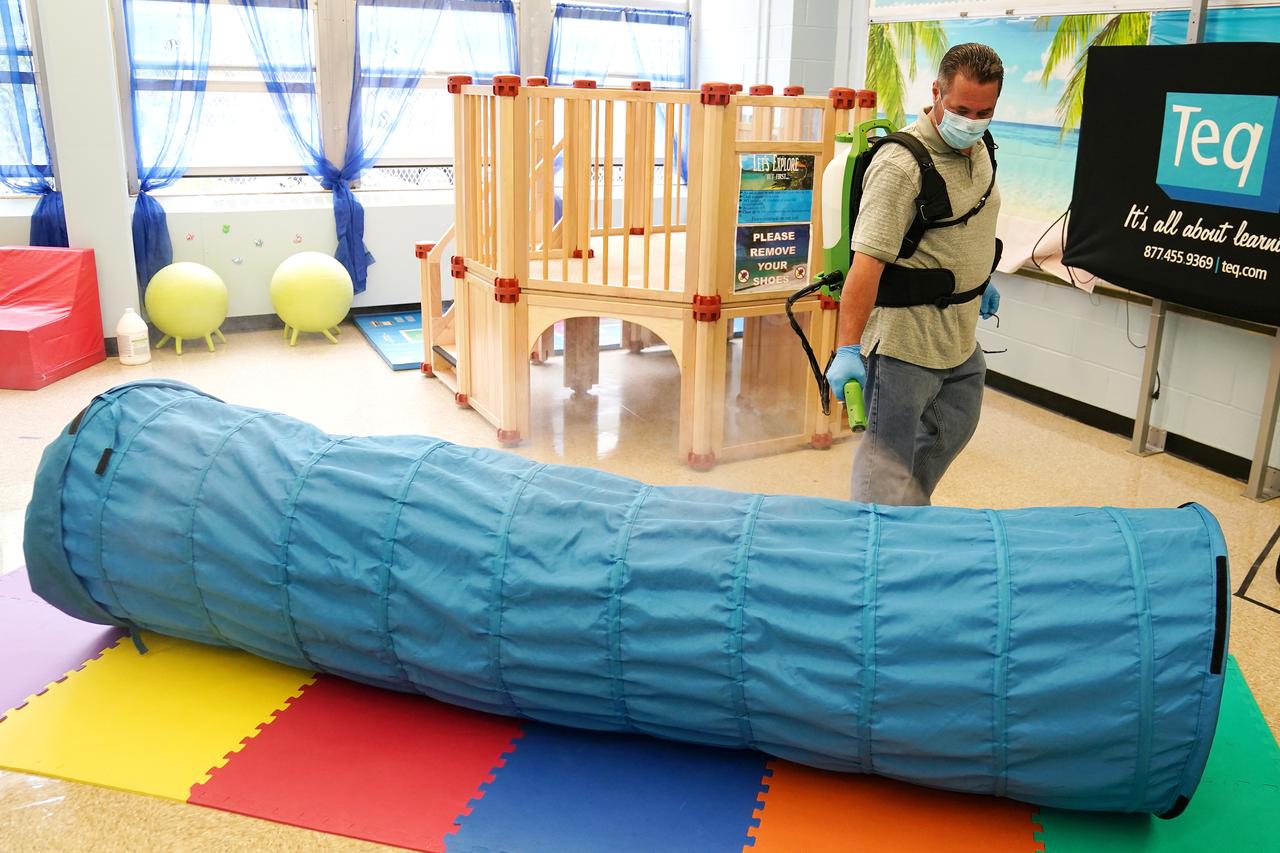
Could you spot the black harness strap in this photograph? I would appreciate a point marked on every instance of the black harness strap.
(933, 204)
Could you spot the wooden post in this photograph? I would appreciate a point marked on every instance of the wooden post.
(793, 126)
(464, 203)
(702, 272)
(511, 176)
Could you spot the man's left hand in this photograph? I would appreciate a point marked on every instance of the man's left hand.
(990, 302)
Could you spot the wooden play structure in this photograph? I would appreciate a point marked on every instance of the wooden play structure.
(580, 203)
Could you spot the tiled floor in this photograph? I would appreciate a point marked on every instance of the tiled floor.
(1021, 456)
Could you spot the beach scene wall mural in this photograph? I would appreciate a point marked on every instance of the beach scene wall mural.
(1038, 117)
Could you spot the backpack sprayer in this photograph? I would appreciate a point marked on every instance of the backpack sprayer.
(900, 287)
(837, 256)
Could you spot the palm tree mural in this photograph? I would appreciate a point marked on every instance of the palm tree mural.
(1071, 41)
(885, 44)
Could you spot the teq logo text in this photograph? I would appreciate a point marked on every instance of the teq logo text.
(1221, 149)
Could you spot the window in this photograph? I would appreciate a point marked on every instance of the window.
(240, 144)
(236, 98)
(614, 45)
(476, 37)
(24, 152)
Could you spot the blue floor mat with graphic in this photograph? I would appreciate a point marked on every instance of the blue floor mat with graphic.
(396, 337)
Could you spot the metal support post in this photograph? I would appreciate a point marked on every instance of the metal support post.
(1146, 392)
(1258, 488)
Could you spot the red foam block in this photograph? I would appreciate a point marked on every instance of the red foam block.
(362, 762)
(50, 321)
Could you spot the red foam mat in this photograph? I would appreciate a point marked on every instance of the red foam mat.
(365, 763)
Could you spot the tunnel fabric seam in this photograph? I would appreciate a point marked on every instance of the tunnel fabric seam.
(869, 580)
(388, 553)
(286, 533)
(737, 663)
(110, 478)
(618, 577)
(1147, 660)
(201, 478)
(497, 602)
(1000, 734)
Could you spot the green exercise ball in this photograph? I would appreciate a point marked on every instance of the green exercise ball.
(311, 292)
(186, 300)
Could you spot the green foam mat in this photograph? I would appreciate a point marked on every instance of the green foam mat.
(1236, 808)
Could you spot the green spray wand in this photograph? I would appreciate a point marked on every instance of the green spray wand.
(837, 254)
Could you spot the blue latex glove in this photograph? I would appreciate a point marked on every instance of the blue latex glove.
(846, 365)
(990, 302)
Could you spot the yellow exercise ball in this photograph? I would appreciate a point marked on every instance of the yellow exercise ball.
(186, 300)
(311, 292)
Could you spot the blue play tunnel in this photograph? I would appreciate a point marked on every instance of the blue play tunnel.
(1070, 657)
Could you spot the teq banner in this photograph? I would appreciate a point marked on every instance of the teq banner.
(1177, 187)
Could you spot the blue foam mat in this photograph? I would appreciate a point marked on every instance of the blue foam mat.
(396, 337)
(565, 791)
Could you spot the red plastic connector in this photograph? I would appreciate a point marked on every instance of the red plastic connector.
(536, 81)
(584, 84)
(842, 98)
(456, 81)
(506, 290)
(461, 400)
(827, 303)
(458, 266)
(421, 250)
(706, 309)
(641, 86)
(506, 85)
(636, 230)
(866, 98)
(735, 88)
(820, 441)
(509, 437)
(428, 370)
(793, 91)
(762, 89)
(577, 254)
(715, 94)
(702, 461)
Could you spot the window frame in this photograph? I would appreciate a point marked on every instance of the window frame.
(40, 79)
(692, 8)
(120, 36)
(333, 46)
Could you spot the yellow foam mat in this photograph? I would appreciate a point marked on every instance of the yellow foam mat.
(154, 723)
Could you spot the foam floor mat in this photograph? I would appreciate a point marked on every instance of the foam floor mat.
(221, 728)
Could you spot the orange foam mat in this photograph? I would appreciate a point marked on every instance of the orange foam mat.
(816, 811)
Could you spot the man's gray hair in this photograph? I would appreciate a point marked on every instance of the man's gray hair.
(976, 61)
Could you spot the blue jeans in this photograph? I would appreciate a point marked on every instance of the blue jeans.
(918, 421)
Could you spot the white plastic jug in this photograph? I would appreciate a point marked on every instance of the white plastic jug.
(132, 338)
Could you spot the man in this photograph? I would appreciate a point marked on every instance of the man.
(920, 367)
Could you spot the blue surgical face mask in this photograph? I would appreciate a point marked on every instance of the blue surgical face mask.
(960, 132)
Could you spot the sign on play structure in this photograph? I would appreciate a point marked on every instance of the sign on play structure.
(775, 203)
(1177, 189)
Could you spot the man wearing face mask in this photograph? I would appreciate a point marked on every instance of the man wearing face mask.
(920, 367)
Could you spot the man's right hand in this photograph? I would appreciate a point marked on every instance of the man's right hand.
(845, 366)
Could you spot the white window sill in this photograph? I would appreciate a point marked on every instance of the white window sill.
(17, 205)
(303, 200)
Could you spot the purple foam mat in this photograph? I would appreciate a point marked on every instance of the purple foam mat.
(39, 643)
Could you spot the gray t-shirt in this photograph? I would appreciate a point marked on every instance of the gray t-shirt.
(923, 334)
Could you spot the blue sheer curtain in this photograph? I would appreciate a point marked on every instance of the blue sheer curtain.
(25, 164)
(484, 35)
(393, 41)
(280, 32)
(168, 72)
(614, 46)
